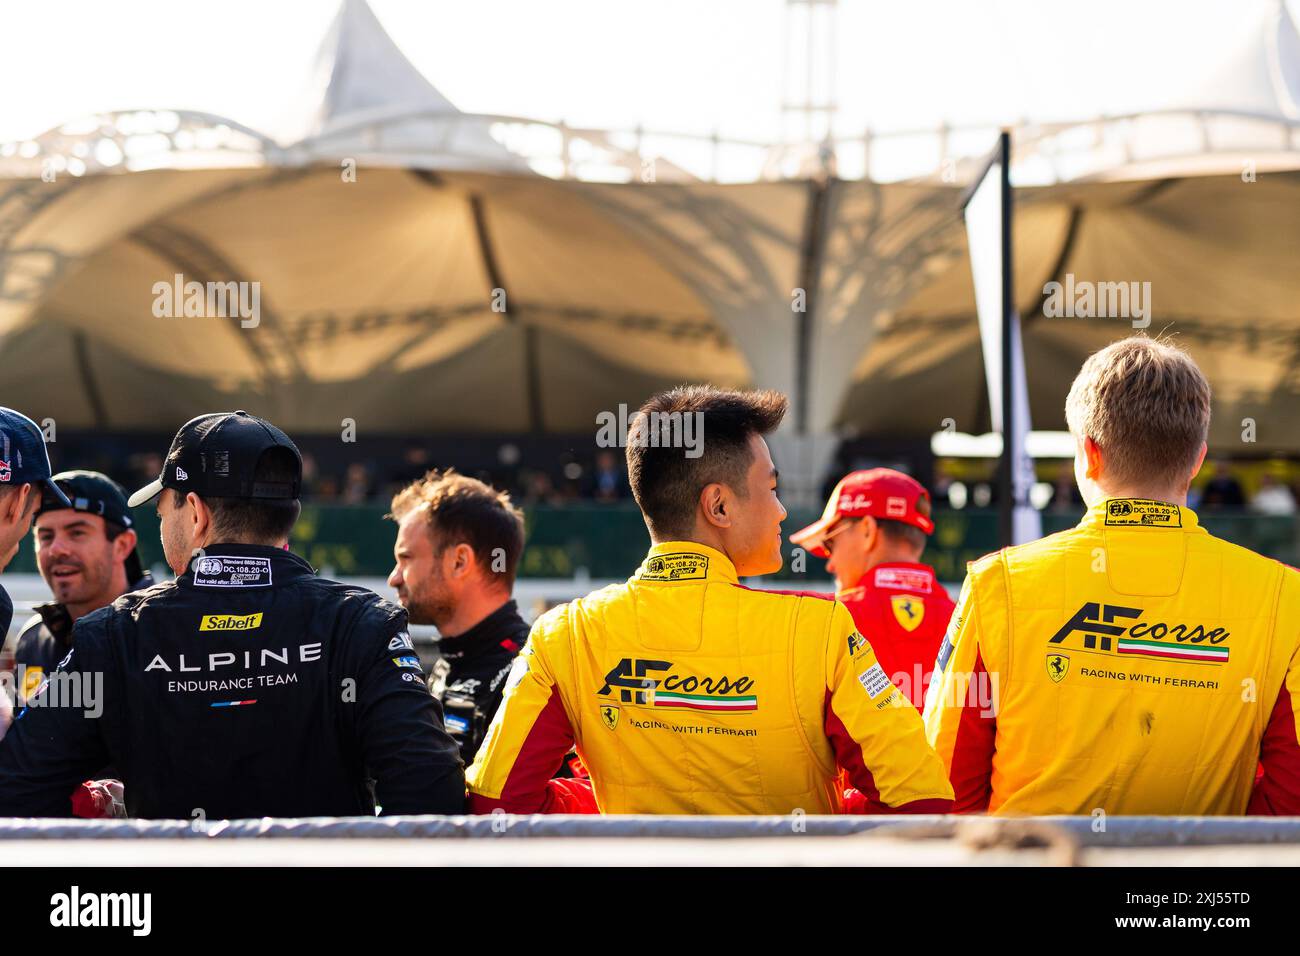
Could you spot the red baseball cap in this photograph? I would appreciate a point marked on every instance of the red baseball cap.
(879, 492)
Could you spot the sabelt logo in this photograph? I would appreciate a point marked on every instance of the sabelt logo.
(1097, 627)
(230, 622)
(638, 686)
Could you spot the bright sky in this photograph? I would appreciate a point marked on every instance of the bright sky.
(683, 65)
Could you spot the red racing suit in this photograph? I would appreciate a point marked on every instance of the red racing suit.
(903, 611)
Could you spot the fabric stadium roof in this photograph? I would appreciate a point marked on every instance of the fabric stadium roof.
(377, 296)
(360, 76)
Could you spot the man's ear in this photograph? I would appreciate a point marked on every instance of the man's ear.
(869, 529)
(201, 517)
(1092, 451)
(460, 560)
(18, 504)
(124, 544)
(715, 502)
(1200, 460)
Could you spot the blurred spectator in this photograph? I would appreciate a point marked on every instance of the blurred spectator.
(539, 489)
(1222, 490)
(1273, 498)
(414, 466)
(608, 480)
(327, 488)
(1065, 491)
(310, 476)
(356, 484)
(146, 467)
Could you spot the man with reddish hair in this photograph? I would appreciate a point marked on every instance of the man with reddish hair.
(686, 692)
(1134, 664)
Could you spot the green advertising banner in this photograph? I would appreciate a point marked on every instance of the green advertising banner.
(609, 541)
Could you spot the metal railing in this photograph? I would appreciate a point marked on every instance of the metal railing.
(130, 140)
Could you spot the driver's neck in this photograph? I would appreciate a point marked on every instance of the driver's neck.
(708, 536)
(1101, 493)
(474, 607)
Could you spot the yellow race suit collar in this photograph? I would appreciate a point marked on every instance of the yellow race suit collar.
(672, 561)
(1116, 512)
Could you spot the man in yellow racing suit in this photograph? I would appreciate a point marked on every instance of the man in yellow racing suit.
(686, 692)
(1139, 665)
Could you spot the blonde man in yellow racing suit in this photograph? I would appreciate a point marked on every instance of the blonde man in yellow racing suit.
(1139, 664)
(686, 692)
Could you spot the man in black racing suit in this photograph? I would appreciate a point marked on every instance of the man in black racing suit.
(86, 552)
(248, 687)
(470, 678)
(459, 542)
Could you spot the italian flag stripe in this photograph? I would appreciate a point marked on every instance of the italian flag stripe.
(705, 702)
(1184, 652)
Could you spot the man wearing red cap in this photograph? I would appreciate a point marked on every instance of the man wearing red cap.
(873, 532)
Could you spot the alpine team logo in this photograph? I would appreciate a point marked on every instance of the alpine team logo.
(1101, 630)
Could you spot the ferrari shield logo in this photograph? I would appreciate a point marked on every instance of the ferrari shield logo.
(908, 610)
(1058, 665)
(609, 714)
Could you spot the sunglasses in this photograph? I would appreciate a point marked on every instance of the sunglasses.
(840, 526)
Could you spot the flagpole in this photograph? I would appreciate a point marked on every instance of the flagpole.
(1006, 484)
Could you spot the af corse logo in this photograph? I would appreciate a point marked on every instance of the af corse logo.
(1102, 632)
(633, 677)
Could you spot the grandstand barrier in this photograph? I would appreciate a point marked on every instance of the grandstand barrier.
(1084, 832)
(594, 540)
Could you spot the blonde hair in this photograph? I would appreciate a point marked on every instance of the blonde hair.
(1147, 406)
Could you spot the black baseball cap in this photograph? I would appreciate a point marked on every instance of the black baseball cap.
(91, 492)
(96, 494)
(23, 457)
(216, 456)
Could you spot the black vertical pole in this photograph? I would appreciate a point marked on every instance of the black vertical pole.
(1006, 484)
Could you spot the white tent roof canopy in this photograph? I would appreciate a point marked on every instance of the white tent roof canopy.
(364, 100)
(486, 297)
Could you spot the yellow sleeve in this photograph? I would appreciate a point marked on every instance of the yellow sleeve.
(529, 735)
(876, 733)
(959, 722)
